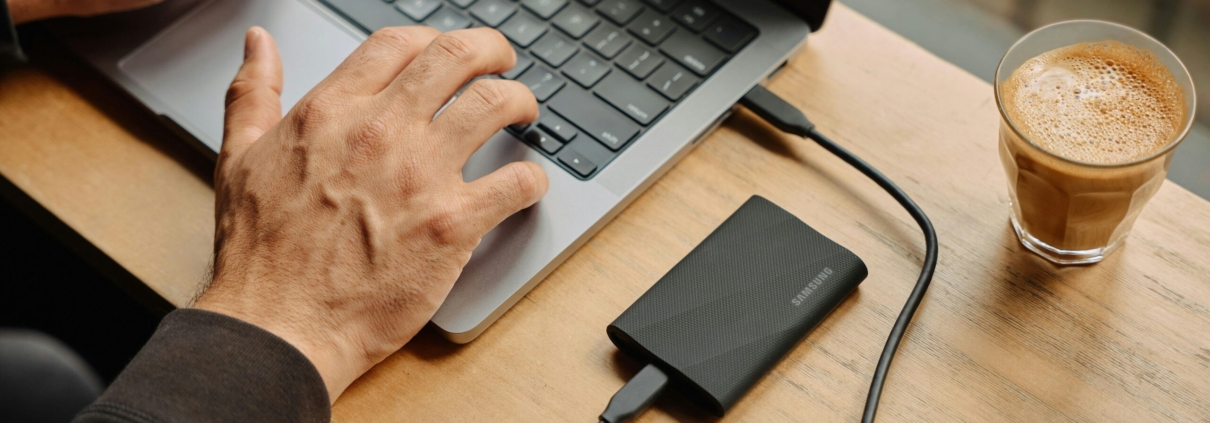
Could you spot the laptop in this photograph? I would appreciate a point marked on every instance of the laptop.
(626, 89)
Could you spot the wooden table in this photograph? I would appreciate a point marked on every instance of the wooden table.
(1002, 335)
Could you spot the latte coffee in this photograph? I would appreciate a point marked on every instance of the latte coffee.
(1083, 129)
(1102, 103)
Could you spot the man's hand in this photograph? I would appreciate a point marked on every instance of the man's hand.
(342, 226)
(31, 10)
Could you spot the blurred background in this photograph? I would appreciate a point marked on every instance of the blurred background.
(974, 34)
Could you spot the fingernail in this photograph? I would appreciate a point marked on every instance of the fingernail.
(251, 42)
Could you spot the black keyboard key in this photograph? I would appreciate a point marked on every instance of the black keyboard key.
(370, 15)
(663, 5)
(544, 8)
(542, 82)
(576, 21)
(554, 50)
(632, 98)
(523, 64)
(607, 40)
(590, 2)
(577, 162)
(418, 9)
(463, 3)
(673, 81)
(693, 53)
(594, 117)
(519, 128)
(639, 61)
(544, 142)
(730, 34)
(523, 29)
(620, 11)
(586, 69)
(446, 20)
(652, 27)
(696, 14)
(493, 12)
(556, 126)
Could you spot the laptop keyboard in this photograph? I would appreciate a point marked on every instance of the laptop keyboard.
(603, 70)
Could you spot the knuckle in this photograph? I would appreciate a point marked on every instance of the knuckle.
(241, 86)
(312, 113)
(249, 81)
(492, 94)
(397, 37)
(370, 139)
(447, 223)
(256, 98)
(525, 180)
(391, 34)
(455, 47)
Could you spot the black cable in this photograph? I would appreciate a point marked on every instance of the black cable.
(636, 396)
(640, 391)
(789, 119)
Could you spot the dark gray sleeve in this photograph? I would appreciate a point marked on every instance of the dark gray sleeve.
(206, 367)
(10, 49)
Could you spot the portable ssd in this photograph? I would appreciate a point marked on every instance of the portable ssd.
(738, 303)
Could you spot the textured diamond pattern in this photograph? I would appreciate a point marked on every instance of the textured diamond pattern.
(725, 315)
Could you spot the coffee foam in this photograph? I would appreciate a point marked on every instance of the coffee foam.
(1104, 102)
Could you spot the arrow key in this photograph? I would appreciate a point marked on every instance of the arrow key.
(558, 127)
(577, 162)
(542, 141)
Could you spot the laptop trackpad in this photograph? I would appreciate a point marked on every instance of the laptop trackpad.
(188, 66)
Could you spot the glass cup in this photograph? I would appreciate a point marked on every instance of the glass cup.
(1069, 211)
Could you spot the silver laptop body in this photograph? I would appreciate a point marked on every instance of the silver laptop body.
(178, 58)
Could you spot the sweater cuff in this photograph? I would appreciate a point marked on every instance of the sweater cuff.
(10, 49)
(204, 366)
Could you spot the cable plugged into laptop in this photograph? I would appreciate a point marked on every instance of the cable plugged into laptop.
(717, 322)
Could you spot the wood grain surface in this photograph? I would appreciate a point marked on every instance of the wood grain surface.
(1003, 336)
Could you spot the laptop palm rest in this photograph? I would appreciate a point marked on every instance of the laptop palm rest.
(188, 66)
(184, 71)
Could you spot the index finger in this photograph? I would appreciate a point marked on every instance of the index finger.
(372, 67)
(452, 60)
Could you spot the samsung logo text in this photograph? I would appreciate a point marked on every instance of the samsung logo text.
(815, 283)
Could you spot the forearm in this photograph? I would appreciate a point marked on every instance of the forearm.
(203, 366)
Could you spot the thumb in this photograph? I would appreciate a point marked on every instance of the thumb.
(254, 98)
